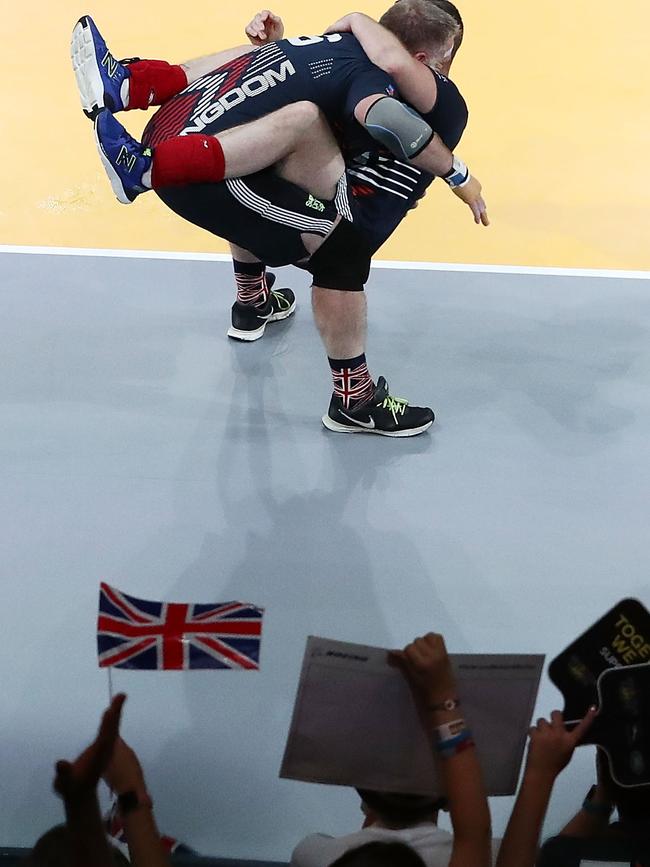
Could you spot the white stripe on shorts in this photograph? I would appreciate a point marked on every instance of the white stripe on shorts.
(341, 200)
(269, 211)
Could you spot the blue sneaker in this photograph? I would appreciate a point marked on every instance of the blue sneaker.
(123, 157)
(100, 77)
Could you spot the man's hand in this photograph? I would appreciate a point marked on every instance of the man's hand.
(425, 664)
(343, 25)
(265, 27)
(76, 779)
(551, 745)
(470, 193)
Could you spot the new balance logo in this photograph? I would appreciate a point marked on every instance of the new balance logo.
(110, 63)
(124, 158)
(314, 203)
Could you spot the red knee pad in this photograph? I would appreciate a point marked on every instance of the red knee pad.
(189, 159)
(153, 82)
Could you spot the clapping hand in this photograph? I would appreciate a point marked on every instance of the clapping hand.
(76, 779)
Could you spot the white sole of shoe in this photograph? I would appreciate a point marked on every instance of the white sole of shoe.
(113, 176)
(84, 64)
(250, 336)
(246, 336)
(337, 427)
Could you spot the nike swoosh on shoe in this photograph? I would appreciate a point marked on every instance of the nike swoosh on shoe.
(367, 424)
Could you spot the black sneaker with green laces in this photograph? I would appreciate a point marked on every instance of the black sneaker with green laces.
(248, 321)
(382, 414)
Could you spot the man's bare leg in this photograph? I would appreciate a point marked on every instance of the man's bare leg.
(340, 315)
(296, 139)
(242, 255)
(341, 319)
(303, 147)
(312, 161)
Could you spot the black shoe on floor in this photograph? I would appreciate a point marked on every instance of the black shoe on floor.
(248, 321)
(382, 414)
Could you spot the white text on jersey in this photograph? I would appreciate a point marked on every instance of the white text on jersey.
(252, 87)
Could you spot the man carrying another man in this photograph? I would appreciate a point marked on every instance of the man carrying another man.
(266, 214)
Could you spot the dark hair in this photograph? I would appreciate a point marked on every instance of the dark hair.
(394, 808)
(54, 849)
(380, 855)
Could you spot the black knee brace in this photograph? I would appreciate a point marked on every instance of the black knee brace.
(342, 261)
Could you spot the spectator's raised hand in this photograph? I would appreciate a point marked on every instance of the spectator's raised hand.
(76, 779)
(124, 771)
(265, 27)
(551, 745)
(426, 665)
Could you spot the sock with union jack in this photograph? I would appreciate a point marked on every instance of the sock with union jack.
(352, 381)
(250, 278)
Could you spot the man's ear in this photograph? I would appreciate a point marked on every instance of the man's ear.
(422, 56)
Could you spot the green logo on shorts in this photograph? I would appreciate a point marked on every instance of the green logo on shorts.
(314, 203)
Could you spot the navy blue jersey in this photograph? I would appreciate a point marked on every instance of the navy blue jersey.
(384, 189)
(331, 71)
(334, 73)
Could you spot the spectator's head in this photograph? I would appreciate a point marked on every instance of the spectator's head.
(395, 810)
(54, 849)
(380, 855)
(428, 29)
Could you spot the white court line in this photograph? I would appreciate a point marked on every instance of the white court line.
(395, 265)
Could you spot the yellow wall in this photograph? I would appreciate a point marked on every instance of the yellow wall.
(559, 131)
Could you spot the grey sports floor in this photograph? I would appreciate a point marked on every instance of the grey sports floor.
(139, 446)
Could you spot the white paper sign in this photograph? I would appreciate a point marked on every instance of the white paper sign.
(355, 724)
(603, 863)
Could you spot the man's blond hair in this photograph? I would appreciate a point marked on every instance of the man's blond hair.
(420, 25)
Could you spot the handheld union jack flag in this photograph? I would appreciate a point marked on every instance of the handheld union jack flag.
(138, 633)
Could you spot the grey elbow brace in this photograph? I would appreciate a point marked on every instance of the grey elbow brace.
(397, 127)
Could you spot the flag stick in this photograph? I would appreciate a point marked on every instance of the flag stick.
(110, 684)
